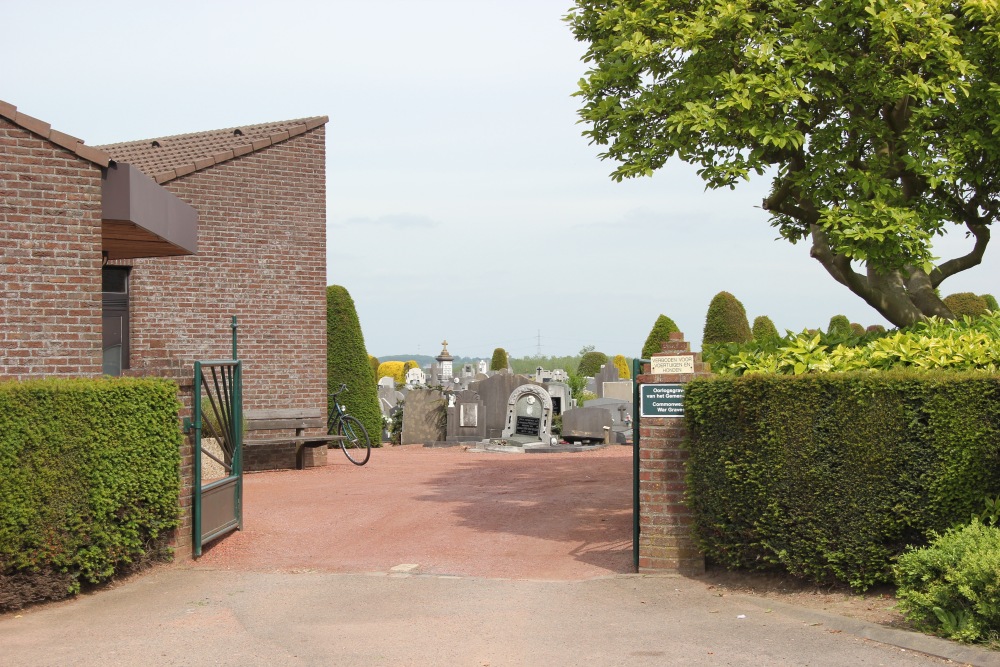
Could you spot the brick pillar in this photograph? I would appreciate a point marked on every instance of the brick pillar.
(665, 541)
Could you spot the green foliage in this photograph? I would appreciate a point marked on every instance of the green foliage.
(591, 362)
(971, 344)
(348, 362)
(396, 424)
(875, 328)
(662, 328)
(879, 124)
(966, 304)
(556, 425)
(952, 586)
(621, 363)
(857, 329)
(499, 360)
(991, 302)
(527, 365)
(726, 321)
(839, 324)
(392, 369)
(374, 362)
(577, 386)
(829, 476)
(763, 329)
(89, 480)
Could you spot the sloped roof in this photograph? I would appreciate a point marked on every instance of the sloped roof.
(43, 129)
(167, 158)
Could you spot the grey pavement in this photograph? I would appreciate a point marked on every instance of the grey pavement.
(178, 615)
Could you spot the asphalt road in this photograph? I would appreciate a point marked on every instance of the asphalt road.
(442, 557)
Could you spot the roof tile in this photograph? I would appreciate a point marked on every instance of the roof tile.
(32, 124)
(41, 128)
(171, 157)
(65, 140)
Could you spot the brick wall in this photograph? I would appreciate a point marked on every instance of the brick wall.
(262, 257)
(665, 540)
(50, 262)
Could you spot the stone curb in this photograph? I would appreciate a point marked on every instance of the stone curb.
(910, 641)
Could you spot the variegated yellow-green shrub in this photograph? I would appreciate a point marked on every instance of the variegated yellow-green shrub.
(393, 369)
(969, 344)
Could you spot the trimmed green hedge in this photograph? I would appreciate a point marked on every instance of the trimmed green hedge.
(830, 476)
(348, 362)
(89, 477)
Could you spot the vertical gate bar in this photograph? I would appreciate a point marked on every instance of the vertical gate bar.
(224, 409)
(233, 326)
(636, 371)
(196, 491)
(238, 435)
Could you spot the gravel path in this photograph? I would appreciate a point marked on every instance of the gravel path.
(444, 510)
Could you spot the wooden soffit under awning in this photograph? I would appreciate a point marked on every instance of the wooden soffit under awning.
(142, 219)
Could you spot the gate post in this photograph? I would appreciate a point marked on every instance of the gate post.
(665, 540)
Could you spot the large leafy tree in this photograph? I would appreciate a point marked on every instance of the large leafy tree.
(878, 120)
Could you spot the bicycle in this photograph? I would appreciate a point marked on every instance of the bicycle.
(355, 442)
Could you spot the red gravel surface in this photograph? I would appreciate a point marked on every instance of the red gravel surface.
(443, 510)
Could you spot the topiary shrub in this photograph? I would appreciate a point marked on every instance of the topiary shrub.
(839, 324)
(875, 328)
(966, 303)
(857, 329)
(991, 301)
(391, 369)
(621, 363)
(726, 321)
(662, 328)
(952, 586)
(499, 361)
(374, 362)
(763, 329)
(348, 362)
(591, 362)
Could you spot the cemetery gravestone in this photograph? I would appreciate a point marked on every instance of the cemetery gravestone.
(424, 417)
(587, 425)
(465, 423)
(529, 415)
(494, 392)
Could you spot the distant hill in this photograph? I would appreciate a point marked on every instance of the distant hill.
(427, 360)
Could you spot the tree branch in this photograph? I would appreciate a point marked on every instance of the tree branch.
(959, 264)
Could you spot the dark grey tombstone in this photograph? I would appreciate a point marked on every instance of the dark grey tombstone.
(608, 373)
(494, 392)
(561, 396)
(424, 417)
(529, 415)
(465, 418)
(586, 425)
(620, 410)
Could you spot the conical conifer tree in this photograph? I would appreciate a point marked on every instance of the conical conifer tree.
(726, 321)
(662, 328)
(347, 361)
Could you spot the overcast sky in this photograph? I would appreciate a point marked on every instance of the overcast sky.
(463, 202)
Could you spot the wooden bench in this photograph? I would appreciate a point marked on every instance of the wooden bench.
(296, 420)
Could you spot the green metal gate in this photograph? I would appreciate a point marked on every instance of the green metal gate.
(218, 449)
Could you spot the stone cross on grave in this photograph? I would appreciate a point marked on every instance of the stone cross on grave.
(624, 415)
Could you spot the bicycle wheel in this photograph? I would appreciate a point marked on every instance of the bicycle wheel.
(355, 444)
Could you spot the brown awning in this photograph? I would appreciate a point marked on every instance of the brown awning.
(142, 219)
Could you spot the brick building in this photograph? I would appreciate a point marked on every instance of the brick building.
(131, 258)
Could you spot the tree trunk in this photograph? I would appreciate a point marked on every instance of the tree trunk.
(902, 297)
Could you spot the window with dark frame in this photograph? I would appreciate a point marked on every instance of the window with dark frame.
(114, 297)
